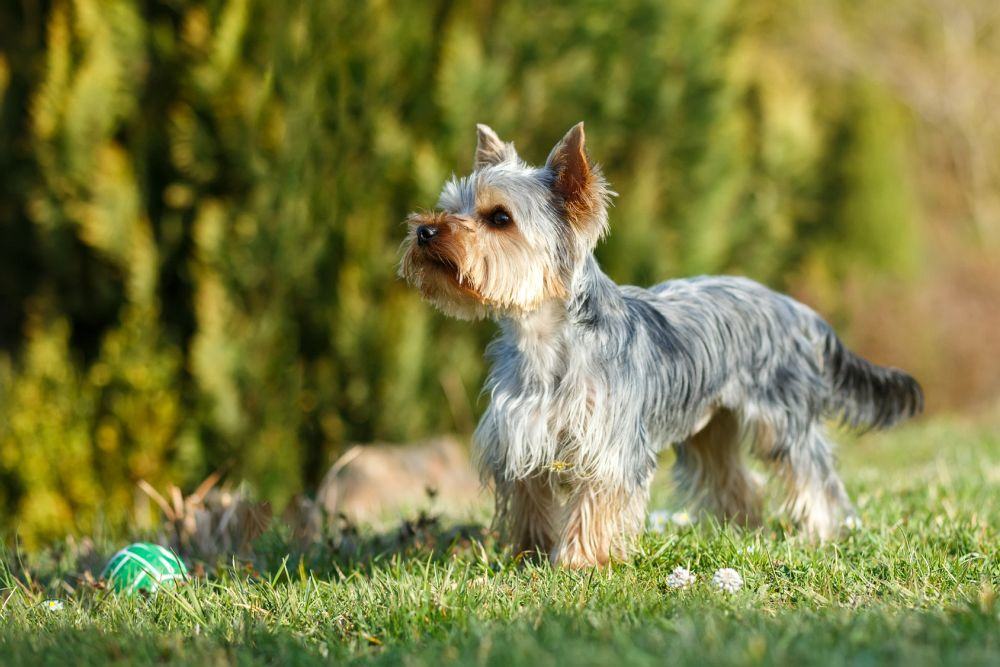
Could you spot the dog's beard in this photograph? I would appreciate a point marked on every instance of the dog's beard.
(440, 280)
(497, 275)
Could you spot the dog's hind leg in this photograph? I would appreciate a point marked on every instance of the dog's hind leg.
(711, 475)
(815, 497)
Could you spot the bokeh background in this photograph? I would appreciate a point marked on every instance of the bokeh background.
(201, 205)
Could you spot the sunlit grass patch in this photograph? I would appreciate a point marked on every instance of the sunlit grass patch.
(918, 583)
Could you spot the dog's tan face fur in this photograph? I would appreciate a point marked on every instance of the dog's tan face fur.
(506, 238)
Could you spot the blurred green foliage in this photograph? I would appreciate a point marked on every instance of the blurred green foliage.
(201, 203)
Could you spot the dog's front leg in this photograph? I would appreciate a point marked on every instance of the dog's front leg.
(527, 511)
(598, 524)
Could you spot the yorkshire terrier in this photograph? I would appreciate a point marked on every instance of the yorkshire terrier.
(590, 379)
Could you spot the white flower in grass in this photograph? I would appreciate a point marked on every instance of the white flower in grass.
(682, 518)
(727, 579)
(658, 520)
(853, 522)
(681, 578)
(53, 605)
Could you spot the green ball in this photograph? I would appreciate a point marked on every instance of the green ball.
(143, 567)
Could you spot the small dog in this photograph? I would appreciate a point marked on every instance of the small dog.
(590, 379)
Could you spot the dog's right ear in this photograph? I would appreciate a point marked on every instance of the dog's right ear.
(579, 184)
(490, 149)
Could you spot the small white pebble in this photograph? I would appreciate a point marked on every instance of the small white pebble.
(681, 578)
(658, 520)
(53, 605)
(727, 579)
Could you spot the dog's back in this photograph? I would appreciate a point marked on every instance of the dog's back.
(784, 351)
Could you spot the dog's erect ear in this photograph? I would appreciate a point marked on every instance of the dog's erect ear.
(490, 149)
(577, 182)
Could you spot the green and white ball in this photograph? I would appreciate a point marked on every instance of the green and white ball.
(143, 567)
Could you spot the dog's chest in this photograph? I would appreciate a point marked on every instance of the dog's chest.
(557, 381)
(556, 406)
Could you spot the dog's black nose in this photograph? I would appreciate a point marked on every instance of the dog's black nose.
(425, 233)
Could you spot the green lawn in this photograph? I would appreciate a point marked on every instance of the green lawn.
(917, 585)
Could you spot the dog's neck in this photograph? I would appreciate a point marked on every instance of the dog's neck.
(542, 335)
(594, 296)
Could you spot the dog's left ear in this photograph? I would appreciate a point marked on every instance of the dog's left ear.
(578, 183)
(491, 149)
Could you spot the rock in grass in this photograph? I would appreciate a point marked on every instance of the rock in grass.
(143, 567)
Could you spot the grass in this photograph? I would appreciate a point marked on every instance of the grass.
(917, 585)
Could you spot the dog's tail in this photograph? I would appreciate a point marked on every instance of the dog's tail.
(865, 395)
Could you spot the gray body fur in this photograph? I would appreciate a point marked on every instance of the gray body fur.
(593, 389)
(623, 371)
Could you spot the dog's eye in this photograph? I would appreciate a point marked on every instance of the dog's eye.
(499, 218)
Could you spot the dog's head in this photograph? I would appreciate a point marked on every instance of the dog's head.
(509, 236)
